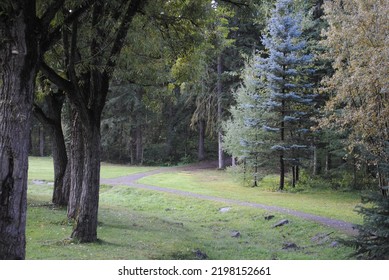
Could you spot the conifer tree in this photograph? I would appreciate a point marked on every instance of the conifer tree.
(287, 70)
(372, 242)
(244, 136)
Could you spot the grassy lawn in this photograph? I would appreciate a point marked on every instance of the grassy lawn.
(141, 224)
(41, 168)
(327, 203)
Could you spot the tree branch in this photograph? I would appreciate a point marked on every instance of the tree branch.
(62, 83)
(121, 34)
(236, 3)
(41, 116)
(72, 56)
(55, 35)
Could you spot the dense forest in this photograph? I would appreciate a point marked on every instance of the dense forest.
(297, 88)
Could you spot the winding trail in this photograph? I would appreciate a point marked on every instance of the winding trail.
(131, 181)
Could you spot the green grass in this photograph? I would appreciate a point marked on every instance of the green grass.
(141, 224)
(327, 203)
(41, 168)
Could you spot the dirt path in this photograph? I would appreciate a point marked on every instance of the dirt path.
(131, 181)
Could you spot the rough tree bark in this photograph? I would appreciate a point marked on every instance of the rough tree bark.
(52, 120)
(60, 158)
(18, 59)
(76, 164)
(87, 211)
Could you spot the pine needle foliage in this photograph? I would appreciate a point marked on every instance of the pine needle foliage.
(372, 242)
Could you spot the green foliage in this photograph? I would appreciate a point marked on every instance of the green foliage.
(341, 179)
(356, 41)
(372, 242)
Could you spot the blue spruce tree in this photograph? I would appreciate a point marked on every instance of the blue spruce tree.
(287, 73)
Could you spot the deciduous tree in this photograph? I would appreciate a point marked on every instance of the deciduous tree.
(357, 41)
(24, 32)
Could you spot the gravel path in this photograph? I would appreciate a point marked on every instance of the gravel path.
(131, 181)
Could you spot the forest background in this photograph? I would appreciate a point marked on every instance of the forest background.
(163, 83)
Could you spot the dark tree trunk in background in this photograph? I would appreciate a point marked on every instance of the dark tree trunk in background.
(171, 111)
(52, 120)
(139, 144)
(19, 60)
(315, 162)
(328, 162)
(41, 141)
(136, 144)
(282, 171)
(60, 158)
(201, 152)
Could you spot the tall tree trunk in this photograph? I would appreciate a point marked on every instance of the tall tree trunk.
(282, 138)
(139, 144)
(315, 162)
(86, 221)
(136, 145)
(201, 152)
(19, 60)
(52, 120)
(170, 134)
(328, 161)
(41, 141)
(171, 112)
(76, 163)
(220, 112)
(282, 171)
(60, 157)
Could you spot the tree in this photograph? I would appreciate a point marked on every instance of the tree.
(51, 118)
(19, 54)
(87, 89)
(152, 78)
(372, 241)
(357, 42)
(287, 69)
(23, 33)
(244, 134)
